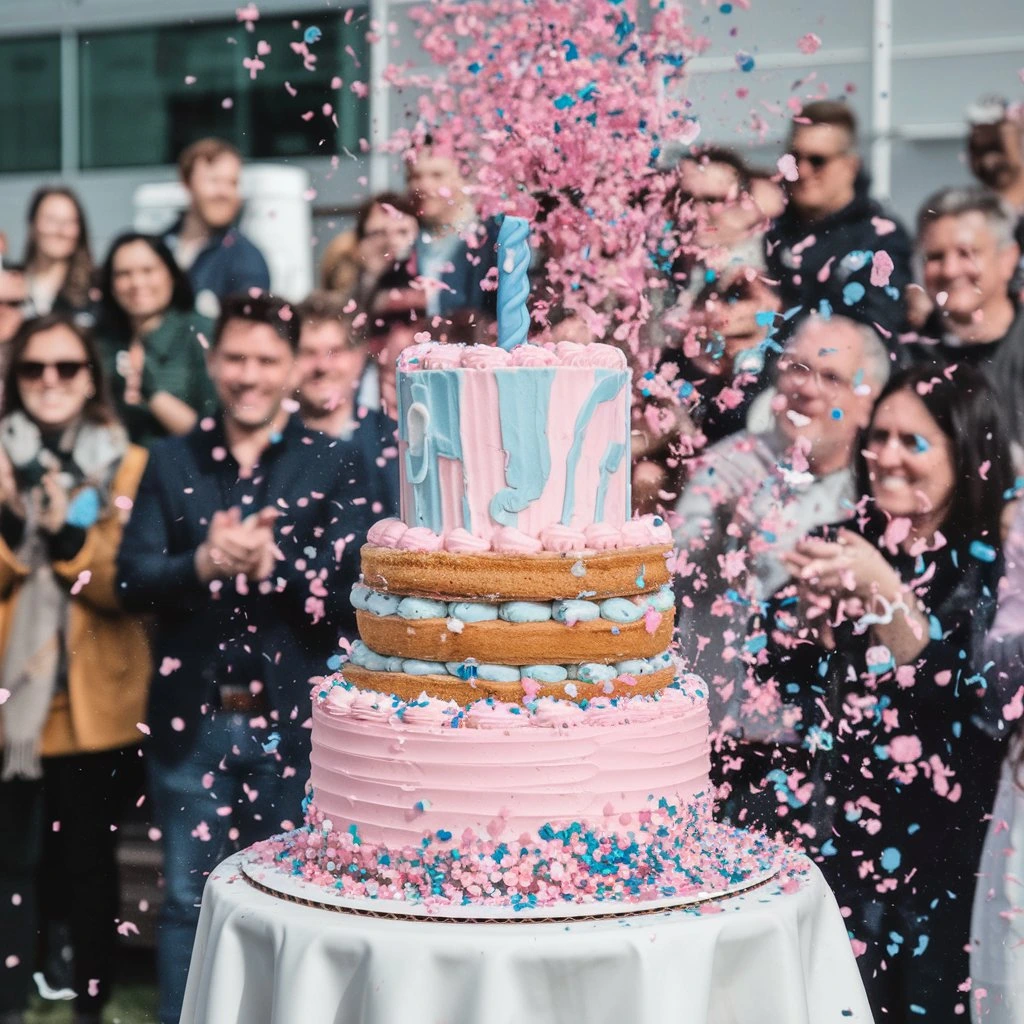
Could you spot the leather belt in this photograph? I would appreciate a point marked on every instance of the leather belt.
(239, 700)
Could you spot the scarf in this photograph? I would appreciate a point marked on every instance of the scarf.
(87, 457)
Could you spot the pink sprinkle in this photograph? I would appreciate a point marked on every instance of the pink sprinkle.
(787, 167)
(652, 620)
(123, 502)
(808, 43)
(83, 578)
(881, 268)
(143, 728)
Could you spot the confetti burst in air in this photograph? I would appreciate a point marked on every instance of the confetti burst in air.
(559, 113)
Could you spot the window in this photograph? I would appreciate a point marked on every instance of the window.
(30, 103)
(147, 93)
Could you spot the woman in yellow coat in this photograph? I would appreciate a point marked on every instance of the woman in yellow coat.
(73, 667)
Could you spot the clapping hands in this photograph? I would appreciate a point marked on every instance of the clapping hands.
(838, 579)
(238, 547)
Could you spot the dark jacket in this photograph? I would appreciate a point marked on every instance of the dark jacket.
(229, 263)
(1001, 361)
(470, 265)
(175, 363)
(205, 636)
(840, 250)
(853, 710)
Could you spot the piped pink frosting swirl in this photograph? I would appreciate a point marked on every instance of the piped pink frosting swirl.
(420, 538)
(499, 715)
(443, 357)
(386, 533)
(485, 357)
(510, 541)
(562, 538)
(660, 531)
(339, 700)
(602, 536)
(533, 355)
(558, 714)
(413, 357)
(462, 542)
(596, 354)
(429, 713)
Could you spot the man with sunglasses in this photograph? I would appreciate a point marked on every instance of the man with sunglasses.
(13, 301)
(834, 248)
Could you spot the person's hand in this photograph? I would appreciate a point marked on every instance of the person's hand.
(52, 501)
(846, 567)
(261, 524)
(236, 548)
(9, 495)
(132, 366)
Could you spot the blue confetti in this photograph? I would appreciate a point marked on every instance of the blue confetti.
(312, 35)
(891, 859)
(853, 293)
(982, 552)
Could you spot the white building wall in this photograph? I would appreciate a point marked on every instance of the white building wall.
(945, 53)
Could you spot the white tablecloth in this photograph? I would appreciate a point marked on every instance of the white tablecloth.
(765, 957)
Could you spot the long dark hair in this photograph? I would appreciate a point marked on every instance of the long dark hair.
(965, 408)
(78, 280)
(114, 321)
(98, 409)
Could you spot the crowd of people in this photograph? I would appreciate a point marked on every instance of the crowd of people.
(826, 413)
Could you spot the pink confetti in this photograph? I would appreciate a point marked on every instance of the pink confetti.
(808, 43)
(787, 167)
(143, 728)
(126, 928)
(881, 268)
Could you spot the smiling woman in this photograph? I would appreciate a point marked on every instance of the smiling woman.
(879, 640)
(152, 343)
(74, 668)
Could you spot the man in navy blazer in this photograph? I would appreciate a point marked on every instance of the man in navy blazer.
(243, 544)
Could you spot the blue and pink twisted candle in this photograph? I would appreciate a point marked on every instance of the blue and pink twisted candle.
(513, 281)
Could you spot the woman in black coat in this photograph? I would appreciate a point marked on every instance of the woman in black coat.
(879, 638)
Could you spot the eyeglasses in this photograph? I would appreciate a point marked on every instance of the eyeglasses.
(816, 160)
(799, 373)
(67, 369)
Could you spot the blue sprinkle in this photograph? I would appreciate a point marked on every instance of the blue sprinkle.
(312, 35)
(474, 68)
(272, 741)
(744, 61)
(922, 945)
(837, 414)
(444, 835)
(571, 53)
(914, 1008)
(891, 858)
(564, 101)
(982, 552)
(828, 848)
(853, 293)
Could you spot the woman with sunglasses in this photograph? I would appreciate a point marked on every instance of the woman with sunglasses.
(152, 341)
(58, 261)
(73, 668)
(879, 640)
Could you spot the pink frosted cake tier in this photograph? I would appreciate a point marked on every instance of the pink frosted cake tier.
(503, 450)
(521, 805)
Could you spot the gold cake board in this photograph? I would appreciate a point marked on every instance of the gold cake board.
(273, 881)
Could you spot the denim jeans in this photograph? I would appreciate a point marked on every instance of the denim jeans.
(226, 794)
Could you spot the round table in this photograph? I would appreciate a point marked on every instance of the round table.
(778, 953)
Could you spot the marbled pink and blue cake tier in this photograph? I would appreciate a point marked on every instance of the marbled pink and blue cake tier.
(531, 445)
(535, 804)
